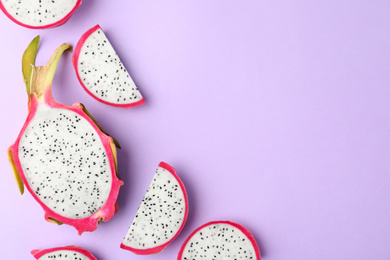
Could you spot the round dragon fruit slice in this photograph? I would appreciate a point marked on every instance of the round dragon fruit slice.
(61, 155)
(161, 215)
(39, 14)
(101, 72)
(220, 240)
(63, 253)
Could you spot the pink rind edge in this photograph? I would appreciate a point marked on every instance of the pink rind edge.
(75, 59)
(236, 225)
(48, 26)
(106, 212)
(39, 253)
(157, 249)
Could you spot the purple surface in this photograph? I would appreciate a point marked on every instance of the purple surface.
(276, 114)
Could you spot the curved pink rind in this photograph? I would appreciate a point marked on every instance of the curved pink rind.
(107, 211)
(150, 251)
(238, 226)
(52, 25)
(75, 59)
(157, 249)
(79, 45)
(39, 253)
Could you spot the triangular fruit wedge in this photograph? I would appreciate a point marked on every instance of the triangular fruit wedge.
(220, 240)
(61, 155)
(39, 14)
(161, 215)
(63, 253)
(101, 72)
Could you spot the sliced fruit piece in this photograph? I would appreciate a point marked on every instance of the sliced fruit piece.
(63, 253)
(161, 215)
(39, 14)
(101, 72)
(220, 240)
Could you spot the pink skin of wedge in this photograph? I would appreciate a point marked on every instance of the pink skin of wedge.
(106, 212)
(238, 226)
(52, 25)
(39, 253)
(75, 59)
(160, 248)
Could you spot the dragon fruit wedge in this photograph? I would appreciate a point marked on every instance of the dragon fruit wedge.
(39, 14)
(61, 155)
(101, 72)
(63, 253)
(220, 240)
(161, 215)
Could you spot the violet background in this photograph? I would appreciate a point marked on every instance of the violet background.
(276, 115)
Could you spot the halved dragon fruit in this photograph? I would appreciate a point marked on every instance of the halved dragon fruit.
(39, 14)
(220, 240)
(61, 155)
(101, 72)
(63, 253)
(161, 215)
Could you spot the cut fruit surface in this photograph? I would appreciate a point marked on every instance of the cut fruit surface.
(62, 157)
(101, 72)
(39, 14)
(220, 240)
(161, 215)
(63, 253)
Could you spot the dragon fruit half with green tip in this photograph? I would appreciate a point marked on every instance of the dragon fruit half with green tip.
(161, 215)
(101, 72)
(40, 14)
(63, 253)
(62, 156)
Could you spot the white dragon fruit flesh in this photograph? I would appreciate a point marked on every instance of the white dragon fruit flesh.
(63, 253)
(61, 155)
(101, 72)
(161, 215)
(220, 240)
(39, 14)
